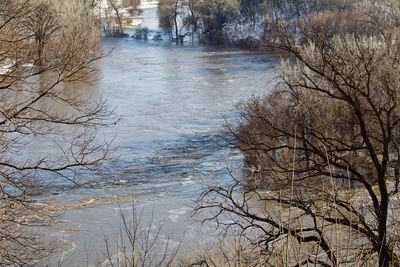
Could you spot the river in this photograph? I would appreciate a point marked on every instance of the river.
(172, 101)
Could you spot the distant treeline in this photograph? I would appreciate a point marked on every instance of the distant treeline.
(248, 22)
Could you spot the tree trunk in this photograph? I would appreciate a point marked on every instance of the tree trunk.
(176, 21)
(384, 251)
(40, 48)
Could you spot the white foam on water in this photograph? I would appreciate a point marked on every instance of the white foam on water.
(174, 217)
(188, 180)
(176, 213)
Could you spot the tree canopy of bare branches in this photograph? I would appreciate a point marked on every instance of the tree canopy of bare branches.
(43, 62)
(322, 152)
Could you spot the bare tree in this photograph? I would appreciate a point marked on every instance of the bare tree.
(170, 16)
(42, 23)
(322, 152)
(134, 4)
(116, 9)
(40, 102)
(139, 243)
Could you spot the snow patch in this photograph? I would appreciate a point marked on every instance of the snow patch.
(6, 66)
(243, 28)
(175, 214)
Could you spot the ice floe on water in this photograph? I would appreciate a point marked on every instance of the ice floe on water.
(176, 213)
(188, 181)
